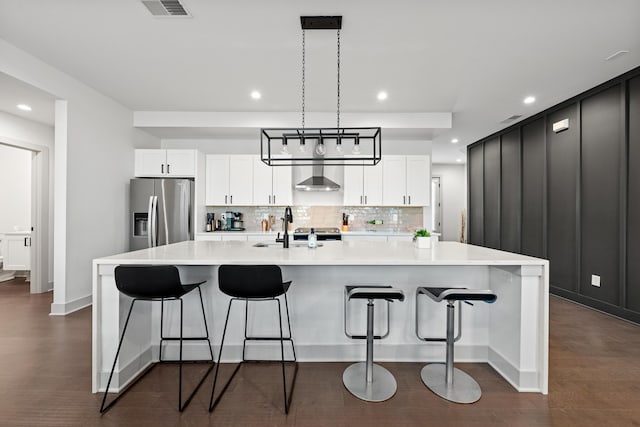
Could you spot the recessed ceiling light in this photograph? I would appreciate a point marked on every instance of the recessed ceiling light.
(454, 141)
(382, 96)
(256, 95)
(529, 100)
(24, 107)
(459, 160)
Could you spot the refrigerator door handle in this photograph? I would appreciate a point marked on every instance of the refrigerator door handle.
(150, 222)
(154, 222)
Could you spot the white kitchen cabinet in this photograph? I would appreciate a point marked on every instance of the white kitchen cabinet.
(406, 180)
(272, 185)
(16, 251)
(363, 185)
(165, 163)
(229, 180)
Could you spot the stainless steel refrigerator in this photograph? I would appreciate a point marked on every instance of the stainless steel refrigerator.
(161, 211)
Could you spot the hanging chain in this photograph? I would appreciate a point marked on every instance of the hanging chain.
(338, 104)
(303, 74)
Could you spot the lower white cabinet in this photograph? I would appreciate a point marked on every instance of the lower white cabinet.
(16, 250)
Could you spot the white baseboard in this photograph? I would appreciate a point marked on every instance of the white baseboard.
(127, 373)
(71, 306)
(523, 381)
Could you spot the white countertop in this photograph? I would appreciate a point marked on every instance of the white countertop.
(331, 253)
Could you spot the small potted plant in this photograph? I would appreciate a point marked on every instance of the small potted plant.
(423, 239)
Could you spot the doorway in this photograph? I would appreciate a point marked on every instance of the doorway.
(24, 220)
(436, 217)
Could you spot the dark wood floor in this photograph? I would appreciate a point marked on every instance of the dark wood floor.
(45, 380)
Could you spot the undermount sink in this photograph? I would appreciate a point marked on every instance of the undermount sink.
(275, 245)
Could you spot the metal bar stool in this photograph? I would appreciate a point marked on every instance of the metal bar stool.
(157, 283)
(254, 283)
(443, 379)
(366, 380)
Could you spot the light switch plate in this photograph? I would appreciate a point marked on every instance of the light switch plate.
(595, 280)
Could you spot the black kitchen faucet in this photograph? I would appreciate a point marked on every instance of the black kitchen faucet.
(288, 219)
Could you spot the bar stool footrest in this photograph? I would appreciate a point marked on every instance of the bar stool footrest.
(382, 388)
(463, 388)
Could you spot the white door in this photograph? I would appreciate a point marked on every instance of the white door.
(418, 180)
(181, 163)
(150, 163)
(240, 180)
(217, 180)
(262, 183)
(282, 185)
(353, 186)
(394, 181)
(373, 185)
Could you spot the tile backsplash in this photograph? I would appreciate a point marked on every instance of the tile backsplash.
(392, 218)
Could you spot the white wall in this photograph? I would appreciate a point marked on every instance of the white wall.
(453, 193)
(15, 189)
(91, 195)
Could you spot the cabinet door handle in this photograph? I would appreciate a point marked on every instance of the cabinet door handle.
(409, 199)
(162, 168)
(25, 241)
(274, 199)
(168, 168)
(365, 200)
(231, 199)
(269, 198)
(404, 200)
(360, 199)
(225, 199)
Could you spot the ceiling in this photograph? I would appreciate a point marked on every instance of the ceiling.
(475, 59)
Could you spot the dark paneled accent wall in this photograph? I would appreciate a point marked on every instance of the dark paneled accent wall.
(571, 196)
(633, 204)
(510, 192)
(600, 194)
(492, 193)
(563, 156)
(533, 188)
(476, 191)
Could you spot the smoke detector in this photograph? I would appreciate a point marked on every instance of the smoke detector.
(166, 8)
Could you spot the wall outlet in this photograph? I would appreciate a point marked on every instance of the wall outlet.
(595, 280)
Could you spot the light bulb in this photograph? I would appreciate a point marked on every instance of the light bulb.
(302, 147)
(356, 148)
(339, 148)
(284, 149)
(320, 149)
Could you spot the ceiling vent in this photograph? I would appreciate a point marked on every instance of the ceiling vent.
(512, 118)
(166, 8)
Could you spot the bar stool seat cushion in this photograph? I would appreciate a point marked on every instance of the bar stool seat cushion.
(151, 282)
(458, 294)
(252, 281)
(374, 292)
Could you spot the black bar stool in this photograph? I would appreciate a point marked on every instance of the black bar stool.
(255, 283)
(443, 379)
(366, 380)
(157, 283)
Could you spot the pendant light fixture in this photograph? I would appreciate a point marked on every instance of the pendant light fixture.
(321, 146)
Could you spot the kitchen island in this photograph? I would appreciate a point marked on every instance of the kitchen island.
(511, 334)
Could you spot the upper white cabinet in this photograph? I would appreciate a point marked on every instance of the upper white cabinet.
(406, 180)
(272, 185)
(165, 163)
(363, 185)
(229, 180)
(16, 250)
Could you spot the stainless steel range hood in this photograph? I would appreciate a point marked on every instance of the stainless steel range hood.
(317, 182)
